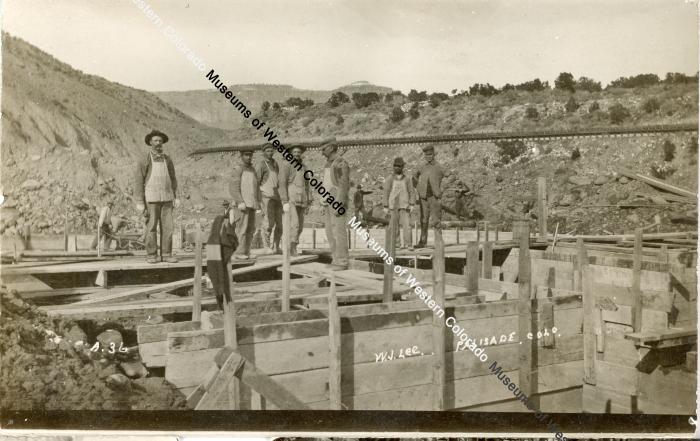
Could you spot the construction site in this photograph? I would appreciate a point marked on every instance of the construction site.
(585, 323)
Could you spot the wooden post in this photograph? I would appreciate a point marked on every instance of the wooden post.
(487, 260)
(313, 238)
(636, 281)
(496, 234)
(458, 235)
(285, 259)
(663, 254)
(65, 231)
(472, 268)
(542, 207)
(589, 336)
(390, 246)
(478, 232)
(439, 337)
(581, 261)
(527, 362)
(99, 239)
(334, 341)
(197, 287)
(486, 231)
(230, 338)
(415, 229)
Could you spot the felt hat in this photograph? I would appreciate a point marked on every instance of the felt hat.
(297, 146)
(267, 145)
(156, 133)
(428, 148)
(399, 161)
(329, 142)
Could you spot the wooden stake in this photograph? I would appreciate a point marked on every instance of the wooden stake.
(486, 231)
(458, 229)
(478, 232)
(65, 231)
(285, 258)
(589, 335)
(542, 207)
(663, 254)
(313, 238)
(496, 239)
(636, 281)
(197, 284)
(526, 324)
(390, 246)
(472, 268)
(581, 261)
(439, 337)
(487, 259)
(334, 340)
(230, 338)
(99, 239)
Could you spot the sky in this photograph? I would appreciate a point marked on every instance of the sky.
(436, 45)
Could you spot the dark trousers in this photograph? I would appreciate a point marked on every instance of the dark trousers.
(273, 219)
(337, 236)
(430, 214)
(245, 231)
(159, 213)
(106, 237)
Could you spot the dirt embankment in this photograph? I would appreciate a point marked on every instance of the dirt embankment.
(49, 364)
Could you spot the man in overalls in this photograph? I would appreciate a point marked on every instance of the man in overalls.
(429, 189)
(268, 173)
(156, 189)
(245, 191)
(398, 192)
(295, 195)
(336, 179)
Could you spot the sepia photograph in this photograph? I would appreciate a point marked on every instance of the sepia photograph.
(286, 217)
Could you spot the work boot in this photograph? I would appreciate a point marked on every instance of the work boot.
(276, 248)
(293, 249)
(241, 256)
(151, 259)
(336, 267)
(265, 236)
(170, 259)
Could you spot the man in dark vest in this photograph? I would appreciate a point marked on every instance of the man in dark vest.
(155, 191)
(429, 188)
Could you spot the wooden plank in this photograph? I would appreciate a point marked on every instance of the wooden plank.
(219, 386)
(527, 362)
(164, 287)
(622, 379)
(390, 242)
(334, 342)
(438, 324)
(657, 300)
(659, 183)
(472, 268)
(589, 313)
(230, 338)
(559, 401)
(197, 283)
(542, 207)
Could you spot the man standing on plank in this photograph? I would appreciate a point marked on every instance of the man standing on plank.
(336, 178)
(429, 189)
(268, 172)
(155, 193)
(398, 192)
(245, 192)
(294, 192)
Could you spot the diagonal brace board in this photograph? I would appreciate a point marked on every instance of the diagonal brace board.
(234, 364)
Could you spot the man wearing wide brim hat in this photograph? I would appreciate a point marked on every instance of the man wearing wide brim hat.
(155, 193)
(429, 188)
(399, 194)
(336, 179)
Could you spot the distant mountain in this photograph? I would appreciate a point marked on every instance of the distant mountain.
(207, 107)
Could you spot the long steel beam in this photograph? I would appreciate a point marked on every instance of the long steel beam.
(468, 137)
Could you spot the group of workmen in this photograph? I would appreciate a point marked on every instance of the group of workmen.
(271, 189)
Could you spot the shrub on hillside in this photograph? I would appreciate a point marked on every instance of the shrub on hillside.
(679, 78)
(413, 112)
(339, 120)
(276, 107)
(265, 107)
(661, 171)
(531, 113)
(532, 86)
(618, 113)
(669, 151)
(509, 150)
(565, 81)
(575, 154)
(588, 84)
(651, 105)
(436, 98)
(396, 115)
(692, 145)
(415, 96)
(482, 90)
(641, 80)
(364, 99)
(571, 105)
(593, 107)
(299, 102)
(389, 97)
(337, 99)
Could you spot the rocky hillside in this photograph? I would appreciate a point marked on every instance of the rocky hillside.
(207, 107)
(69, 139)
